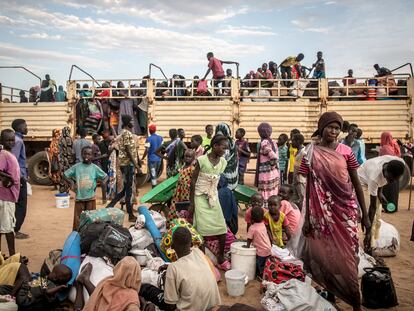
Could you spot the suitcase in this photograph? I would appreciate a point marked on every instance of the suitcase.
(113, 215)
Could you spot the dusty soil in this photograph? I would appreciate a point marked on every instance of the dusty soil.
(48, 227)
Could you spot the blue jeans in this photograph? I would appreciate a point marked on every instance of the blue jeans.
(128, 179)
(154, 168)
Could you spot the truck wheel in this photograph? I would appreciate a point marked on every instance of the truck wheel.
(405, 178)
(39, 169)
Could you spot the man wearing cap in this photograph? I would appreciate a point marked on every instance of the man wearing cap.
(152, 143)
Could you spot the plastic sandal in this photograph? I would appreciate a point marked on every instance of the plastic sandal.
(225, 265)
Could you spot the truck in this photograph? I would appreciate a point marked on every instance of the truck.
(386, 105)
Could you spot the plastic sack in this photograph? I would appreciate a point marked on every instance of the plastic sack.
(299, 88)
(202, 87)
(159, 220)
(29, 189)
(264, 93)
(388, 242)
(295, 295)
(141, 238)
(141, 255)
(101, 269)
(365, 261)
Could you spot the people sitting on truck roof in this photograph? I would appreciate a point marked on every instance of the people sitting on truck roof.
(60, 95)
(349, 79)
(319, 65)
(84, 92)
(381, 71)
(273, 69)
(32, 94)
(23, 98)
(287, 64)
(51, 82)
(227, 82)
(46, 92)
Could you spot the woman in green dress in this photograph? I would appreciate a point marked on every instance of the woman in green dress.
(204, 200)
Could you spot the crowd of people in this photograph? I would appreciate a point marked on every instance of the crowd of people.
(256, 83)
(317, 194)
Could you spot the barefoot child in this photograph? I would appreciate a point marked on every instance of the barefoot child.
(84, 177)
(243, 153)
(204, 200)
(276, 222)
(258, 236)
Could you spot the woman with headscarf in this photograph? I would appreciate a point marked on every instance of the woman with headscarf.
(231, 173)
(390, 147)
(118, 292)
(66, 157)
(331, 214)
(53, 157)
(267, 167)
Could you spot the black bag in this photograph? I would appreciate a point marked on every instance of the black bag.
(91, 233)
(378, 289)
(114, 242)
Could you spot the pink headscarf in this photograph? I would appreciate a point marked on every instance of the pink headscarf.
(389, 146)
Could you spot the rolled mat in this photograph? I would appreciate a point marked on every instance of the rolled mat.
(152, 228)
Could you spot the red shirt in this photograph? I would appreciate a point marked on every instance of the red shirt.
(215, 65)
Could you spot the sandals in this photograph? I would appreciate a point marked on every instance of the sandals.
(225, 265)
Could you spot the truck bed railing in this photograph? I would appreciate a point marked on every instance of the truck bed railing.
(133, 88)
(368, 87)
(187, 89)
(11, 93)
(279, 89)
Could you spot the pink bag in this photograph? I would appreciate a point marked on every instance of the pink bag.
(202, 86)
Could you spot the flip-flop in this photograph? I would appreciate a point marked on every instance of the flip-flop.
(225, 265)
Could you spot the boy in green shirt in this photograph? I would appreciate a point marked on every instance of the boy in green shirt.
(83, 177)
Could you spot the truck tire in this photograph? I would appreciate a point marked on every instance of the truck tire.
(39, 169)
(405, 178)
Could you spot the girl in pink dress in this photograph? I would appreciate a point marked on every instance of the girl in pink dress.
(267, 168)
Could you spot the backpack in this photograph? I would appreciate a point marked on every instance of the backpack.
(50, 262)
(114, 242)
(91, 233)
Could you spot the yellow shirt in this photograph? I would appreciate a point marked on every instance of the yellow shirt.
(276, 227)
(289, 62)
(292, 155)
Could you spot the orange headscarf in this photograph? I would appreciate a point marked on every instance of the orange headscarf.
(389, 146)
(117, 292)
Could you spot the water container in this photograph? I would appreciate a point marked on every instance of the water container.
(235, 281)
(243, 259)
(62, 200)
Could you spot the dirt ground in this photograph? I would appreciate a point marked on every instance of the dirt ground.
(48, 228)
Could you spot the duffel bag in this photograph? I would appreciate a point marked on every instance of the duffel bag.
(114, 242)
(113, 215)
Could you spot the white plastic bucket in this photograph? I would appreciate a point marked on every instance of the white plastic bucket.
(62, 200)
(243, 259)
(235, 281)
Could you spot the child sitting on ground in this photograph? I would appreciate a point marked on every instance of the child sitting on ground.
(196, 145)
(288, 208)
(276, 222)
(255, 201)
(258, 236)
(243, 152)
(86, 174)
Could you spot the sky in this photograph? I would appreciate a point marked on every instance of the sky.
(118, 39)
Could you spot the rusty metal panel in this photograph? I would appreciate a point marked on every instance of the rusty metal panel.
(41, 118)
(192, 116)
(283, 116)
(375, 117)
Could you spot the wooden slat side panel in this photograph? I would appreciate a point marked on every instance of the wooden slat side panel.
(283, 116)
(41, 118)
(192, 116)
(375, 117)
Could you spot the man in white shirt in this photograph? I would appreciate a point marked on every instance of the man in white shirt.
(374, 174)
